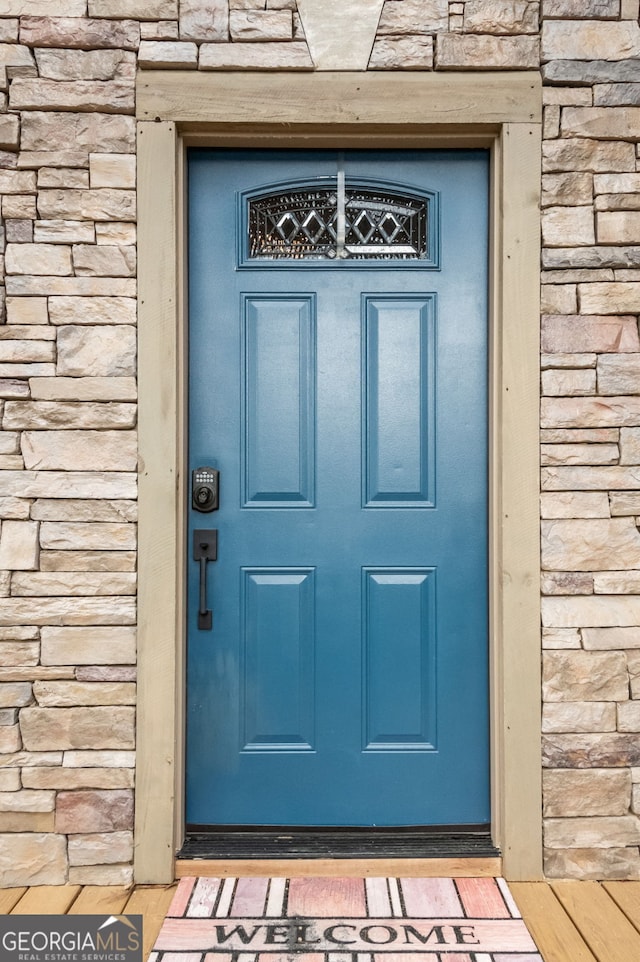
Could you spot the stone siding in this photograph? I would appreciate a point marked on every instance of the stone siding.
(68, 393)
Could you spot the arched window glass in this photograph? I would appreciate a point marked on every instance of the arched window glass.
(346, 221)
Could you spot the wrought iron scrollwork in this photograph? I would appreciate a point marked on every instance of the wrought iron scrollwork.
(351, 221)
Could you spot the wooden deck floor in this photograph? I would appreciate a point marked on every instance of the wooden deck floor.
(570, 921)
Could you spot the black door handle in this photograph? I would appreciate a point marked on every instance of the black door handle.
(205, 549)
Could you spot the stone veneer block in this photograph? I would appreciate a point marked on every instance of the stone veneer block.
(607, 411)
(26, 351)
(619, 374)
(584, 154)
(472, 52)
(48, 729)
(70, 286)
(571, 383)
(602, 123)
(567, 189)
(630, 446)
(616, 183)
(112, 170)
(43, 415)
(85, 64)
(592, 544)
(579, 454)
(626, 502)
(104, 260)
(136, 9)
(68, 611)
(121, 875)
(582, 792)
(79, 450)
(97, 132)
(27, 310)
(617, 298)
(45, 509)
(87, 561)
(81, 33)
(251, 56)
(38, 259)
(616, 95)
(101, 536)
(9, 132)
(590, 40)
(10, 780)
(19, 653)
(501, 16)
(19, 546)
(89, 646)
(579, 716)
(595, 832)
(33, 859)
(586, 264)
(67, 779)
(607, 750)
(70, 484)
(95, 310)
(102, 203)
(113, 97)
(64, 231)
(27, 801)
(629, 717)
(101, 759)
(204, 20)
(616, 582)
(585, 676)
(168, 54)
(17, 181)
(572, 504)
(562, 226)
(618, 227)
(580, 9)
(122, 234)
(603, 611)
(10, 741)
(44, 8)
(16, 694)
(98, 849)
(580, 333)
(251, 25)
(559, 299)
(94, 811)
(412, 17)
(402, 53)
(69, 583)
(592, 863)
(16, 57)
(96, 351)
(70, 694)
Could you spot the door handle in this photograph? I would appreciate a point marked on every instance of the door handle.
(205, 549)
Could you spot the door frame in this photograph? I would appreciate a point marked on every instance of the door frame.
(500, 111)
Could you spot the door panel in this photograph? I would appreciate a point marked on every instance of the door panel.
(400, 401)
(344, 681)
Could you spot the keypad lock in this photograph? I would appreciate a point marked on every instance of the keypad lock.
(205, 489)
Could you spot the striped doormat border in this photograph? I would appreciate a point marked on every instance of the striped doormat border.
(344, 920)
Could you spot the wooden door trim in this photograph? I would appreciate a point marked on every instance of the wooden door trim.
(496, 110)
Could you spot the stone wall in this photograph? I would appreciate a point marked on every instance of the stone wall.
(68, 392)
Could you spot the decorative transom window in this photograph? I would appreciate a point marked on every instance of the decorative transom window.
(342, 221)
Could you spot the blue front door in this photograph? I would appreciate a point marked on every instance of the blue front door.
(337, 381)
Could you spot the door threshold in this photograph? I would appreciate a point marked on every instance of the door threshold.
(474, 867)
(316, 844)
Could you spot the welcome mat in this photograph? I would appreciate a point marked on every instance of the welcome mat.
(344, 920)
